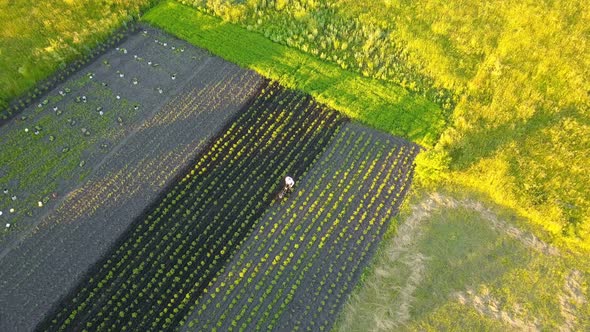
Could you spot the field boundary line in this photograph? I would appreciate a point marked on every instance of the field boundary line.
(437, 201)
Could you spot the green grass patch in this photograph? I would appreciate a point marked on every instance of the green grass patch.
(379, 104)
(36, 38)
(458, 270)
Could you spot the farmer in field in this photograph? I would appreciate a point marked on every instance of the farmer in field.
(289, 183)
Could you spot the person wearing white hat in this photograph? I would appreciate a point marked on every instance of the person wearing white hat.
(289, 183)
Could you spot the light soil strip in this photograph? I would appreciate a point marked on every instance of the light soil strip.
(571, 299)
(488, 306)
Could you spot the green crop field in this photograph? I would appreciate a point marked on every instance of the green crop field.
(508, 160)
(440, 153)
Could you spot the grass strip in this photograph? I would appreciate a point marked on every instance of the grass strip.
(379, 104)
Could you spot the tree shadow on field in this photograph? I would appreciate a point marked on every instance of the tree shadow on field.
(376, 103)
(484, 143)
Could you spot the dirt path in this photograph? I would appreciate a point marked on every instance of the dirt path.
(570, 299)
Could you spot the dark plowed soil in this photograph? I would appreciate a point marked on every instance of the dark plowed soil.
(305, 255)
(39, 267)
(160, 266)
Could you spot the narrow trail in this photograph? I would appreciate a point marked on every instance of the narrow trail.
(488, 306)
(571, 298)
(410, 232)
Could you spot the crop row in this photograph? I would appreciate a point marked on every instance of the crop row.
(54, 146)
(167, 258)
(302, 259)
